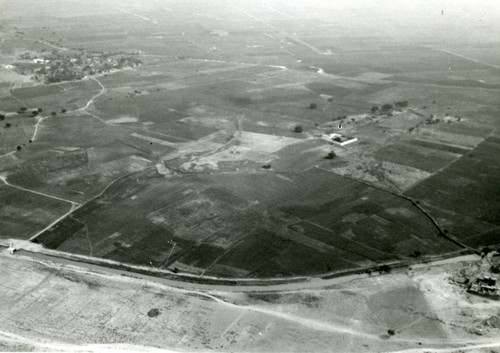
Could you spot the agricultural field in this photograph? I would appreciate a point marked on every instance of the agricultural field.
(23, 213)
(194, 138)
(236, 176)
(463, 196)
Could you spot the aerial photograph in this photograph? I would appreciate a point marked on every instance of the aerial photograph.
(250, 176)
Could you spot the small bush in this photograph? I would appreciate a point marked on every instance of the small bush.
(154, 312)
(402, 104)
(298, 129)
(331, 155)
(384, 269)
(387, 107)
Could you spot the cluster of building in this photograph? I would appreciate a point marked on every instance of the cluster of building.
(486, 287)
(74, 65)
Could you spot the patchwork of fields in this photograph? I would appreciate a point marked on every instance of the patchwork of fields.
(241, 225)
(210, 156)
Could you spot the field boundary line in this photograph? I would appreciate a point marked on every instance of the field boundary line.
(413, 202)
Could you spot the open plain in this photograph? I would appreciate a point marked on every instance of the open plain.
(246, 142)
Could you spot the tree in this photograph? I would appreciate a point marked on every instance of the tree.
(154, 312)
(298, 129)
(402, 104)
(7, 125)
(266, 166)
(2, 117)
(313, 106)
(40, 110)
(486, 250)
(391, 332)
(384, 269)
(387, 107)
(63, 110)
(374, 108)
(53, 113)
(19, 147)
(331, 155)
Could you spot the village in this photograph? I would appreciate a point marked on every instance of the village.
(72, 65)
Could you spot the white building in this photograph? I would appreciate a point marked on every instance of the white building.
(339, 139)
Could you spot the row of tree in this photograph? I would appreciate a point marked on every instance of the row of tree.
(387, 108)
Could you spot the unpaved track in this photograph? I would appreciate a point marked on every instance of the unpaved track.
(91, 100)
(4, 180)
(220, 297)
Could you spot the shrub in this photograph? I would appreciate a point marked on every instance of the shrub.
(387, 107)
(402, 104)
(154, 312)
(298, 129)
(384, 269)
(331, 155)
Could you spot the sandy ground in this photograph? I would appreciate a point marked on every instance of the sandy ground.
(49, 306)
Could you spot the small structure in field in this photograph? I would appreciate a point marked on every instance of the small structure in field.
(11, 249)
(485, 287)
(339, 139)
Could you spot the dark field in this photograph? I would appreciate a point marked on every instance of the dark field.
(248, 227)
(465, 195)
(22, 214)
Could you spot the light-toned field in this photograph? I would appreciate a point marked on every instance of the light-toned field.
(61, 307)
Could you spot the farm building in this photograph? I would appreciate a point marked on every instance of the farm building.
(485, 287)
(339, 139)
